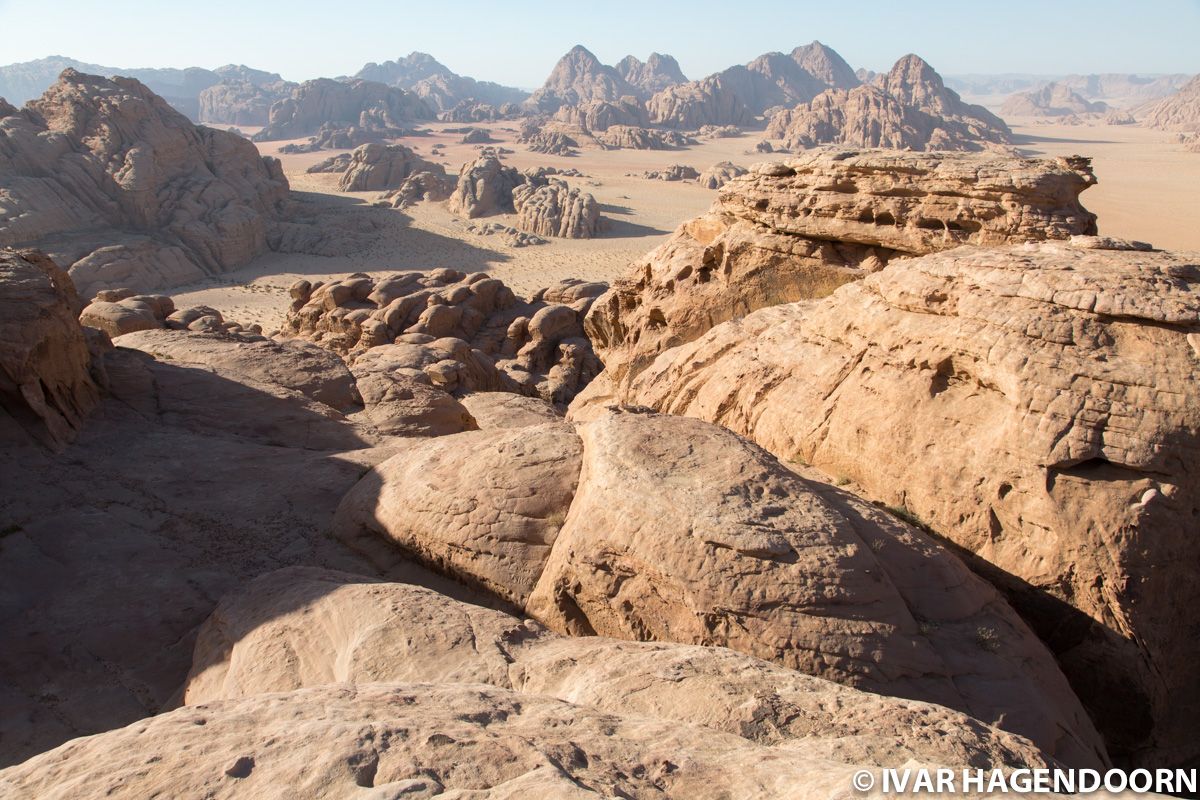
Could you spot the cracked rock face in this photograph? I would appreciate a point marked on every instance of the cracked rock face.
(557, 210)
(485, 186)
(799, 229)
(301, 627)
(1037, 406)
(121, 189)
(421, 740)
(1178, 112)
(45, 379)
(680, 531)
(326, 102)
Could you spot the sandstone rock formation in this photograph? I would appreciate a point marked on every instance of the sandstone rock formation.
(556, 209)
(236, 101)
(1178, 112)
(658, 72)
(45, 381)
(511, 236)
(122, 190)
(740, 553)
(824, 64)
(421, 740)
(377, 167)
(193, 469)
(365, 104)
(1033, 404)
(457, 332)
(600, 115)
(1052, 100)
(801, 228)
(336, 136)
(675, 172)
(736, 95)
(579, 78)
(470, 110)
(719, 131)
(485, 186)
(549, 142)
(635, 138)
(720, 174)
(908, 108)
(302, 627)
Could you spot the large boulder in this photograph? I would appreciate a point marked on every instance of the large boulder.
(485, 186)
(377, 167)
(45, 365)
(799, 229)
(123, 190)
(680, 531)
(1037, 406)
(557, 210)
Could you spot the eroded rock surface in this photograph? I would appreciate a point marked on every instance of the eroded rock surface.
(122, 190)
(720, 174)
(46, 383)
(302, 627)
(680, 531)
(1033, 404)
(366, 104)
(801, 228)
(458, 332)
(557, 209)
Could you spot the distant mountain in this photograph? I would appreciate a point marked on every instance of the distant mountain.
(437, 84)
(181, 88)
(579, 78)
(1115, 89)
(658, 72)
(907, 107)
(1179, 112)
(1052, 100)
(737, 95)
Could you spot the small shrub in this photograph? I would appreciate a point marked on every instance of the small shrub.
(987, 639)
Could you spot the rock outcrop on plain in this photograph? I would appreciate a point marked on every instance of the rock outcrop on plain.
(1036, 406)
(908, 108)
(117, 312)
(1178, 112)
(720, 174)
(456, 332)
(363, 104)
(46, 383)
(377, 168)
(547, 141)
(558, 210)
(485, 186)
(122, 190)
(628, 137)
(675, 172)
(741, 554)
(1052, 100)
(799, 229)
(601, 115)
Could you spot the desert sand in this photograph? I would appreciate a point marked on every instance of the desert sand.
(1145, 192)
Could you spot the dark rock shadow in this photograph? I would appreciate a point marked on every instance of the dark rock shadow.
(623, 229)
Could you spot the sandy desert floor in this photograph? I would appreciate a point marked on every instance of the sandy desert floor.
(1147, 191)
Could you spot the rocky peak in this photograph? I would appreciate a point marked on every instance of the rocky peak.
(657, 73)
(577, 78)
(824, 64)
(405, 71)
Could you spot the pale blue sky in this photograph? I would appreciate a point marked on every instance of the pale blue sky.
(517, 42)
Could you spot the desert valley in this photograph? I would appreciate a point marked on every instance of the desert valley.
(644, 435)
